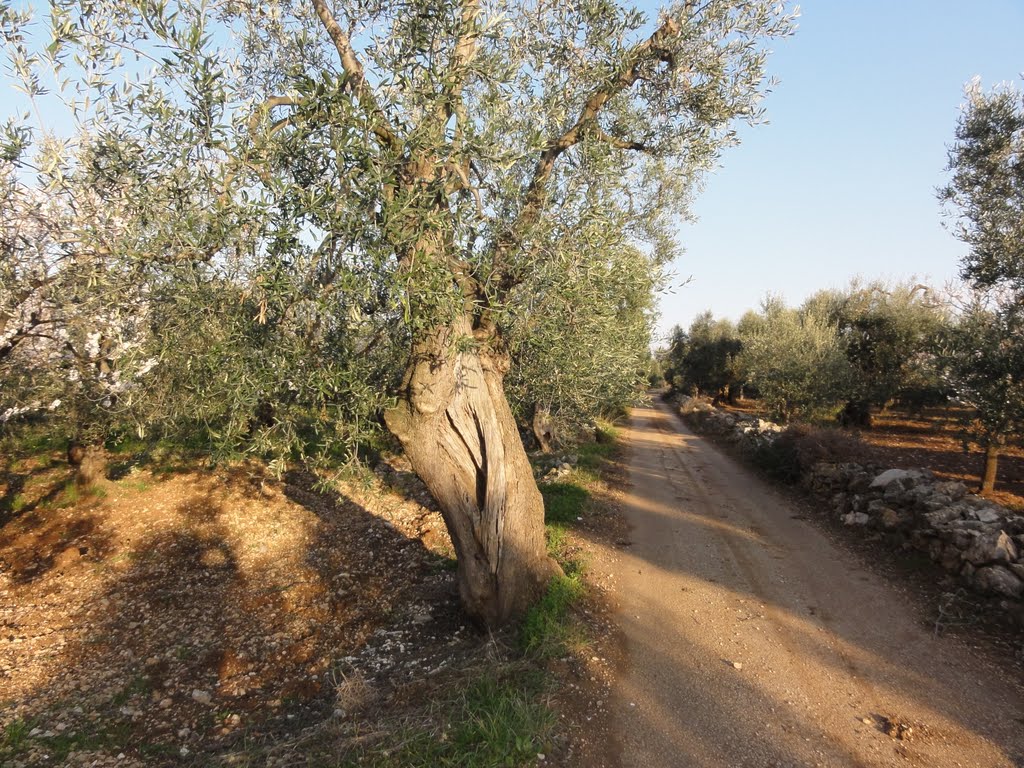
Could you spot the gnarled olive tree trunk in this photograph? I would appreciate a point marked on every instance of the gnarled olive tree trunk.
(458, 431)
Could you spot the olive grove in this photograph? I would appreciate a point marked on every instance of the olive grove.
(303, 215)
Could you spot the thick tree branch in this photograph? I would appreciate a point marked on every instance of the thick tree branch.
(462, 57)
(655, 47)
(356, 76)
(658, 47)
(266, 108)
(619, 143)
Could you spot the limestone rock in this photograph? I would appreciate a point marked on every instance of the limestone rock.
(941, 516)
(890, 476)
(860, 482)
(202, 697)
(1002, 581)
(992, 548)
(986, 515)
(952, 488)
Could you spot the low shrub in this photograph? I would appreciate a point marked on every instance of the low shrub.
(792, 454)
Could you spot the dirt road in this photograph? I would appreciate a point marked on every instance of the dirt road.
(753, 640)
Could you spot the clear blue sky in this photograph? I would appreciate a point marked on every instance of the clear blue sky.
(842, 181)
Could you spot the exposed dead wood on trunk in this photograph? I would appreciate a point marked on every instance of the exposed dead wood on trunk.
(90, 462)
(543, 429)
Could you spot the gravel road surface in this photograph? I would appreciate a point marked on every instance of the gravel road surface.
(752, 639)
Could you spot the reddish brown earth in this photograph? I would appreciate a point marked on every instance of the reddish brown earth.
(170, 618)
(203, 617)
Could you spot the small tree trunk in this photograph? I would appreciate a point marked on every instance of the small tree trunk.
(90, 461)
(459, 433)
(543, 430)
(988, 476)
(856, 413)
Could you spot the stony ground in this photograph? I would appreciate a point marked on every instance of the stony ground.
(224, 617)
(197, 613)
(202, 617)
(933, 438)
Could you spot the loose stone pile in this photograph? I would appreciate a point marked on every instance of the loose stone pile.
(750, 432)
(978, 541)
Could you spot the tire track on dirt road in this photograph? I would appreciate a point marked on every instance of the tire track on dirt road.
(753, 640)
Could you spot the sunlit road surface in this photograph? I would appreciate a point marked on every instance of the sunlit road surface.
(753, 640)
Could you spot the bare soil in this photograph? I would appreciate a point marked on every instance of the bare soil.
(166, 619)
(195, 616)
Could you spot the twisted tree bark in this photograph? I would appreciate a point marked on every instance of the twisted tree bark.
(461, 438)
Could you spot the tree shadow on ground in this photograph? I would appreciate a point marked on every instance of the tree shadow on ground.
(27, 488)
(221, 620)
(760, 578)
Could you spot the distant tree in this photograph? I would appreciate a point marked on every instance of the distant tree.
(982, 356)
(984, 352)
(73, 315)
(709, 362)
(886, 331)
(673, 355)
(985, 194)
(796, 361)
(702, 359)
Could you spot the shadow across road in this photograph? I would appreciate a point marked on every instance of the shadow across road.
(755, 641)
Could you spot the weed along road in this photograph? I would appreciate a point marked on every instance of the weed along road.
(753, 640)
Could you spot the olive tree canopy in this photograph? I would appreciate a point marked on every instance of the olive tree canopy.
(391, 178)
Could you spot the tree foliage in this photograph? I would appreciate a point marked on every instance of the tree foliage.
(796, 360)
(983, 353)
(982, 358)
(580, 347)
(335, 211)
(703, 359)
(261, 165)
(887, 331)
(986, 189)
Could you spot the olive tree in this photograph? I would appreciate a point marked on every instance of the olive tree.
(709, 364)
(985, 195)
(887, 332)
(370, 171)
(795, 359)
(984, 353)
(982, 357)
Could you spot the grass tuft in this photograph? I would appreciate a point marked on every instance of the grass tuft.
(564, 502)
(14, 737)
(69, 496)
(496, 721)
(548, 630)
